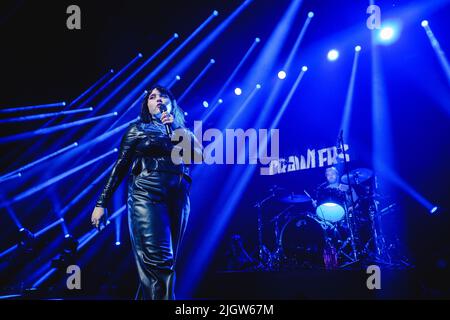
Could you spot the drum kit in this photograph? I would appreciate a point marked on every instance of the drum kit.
(336, 228)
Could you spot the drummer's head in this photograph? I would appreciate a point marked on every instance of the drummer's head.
(332, 175)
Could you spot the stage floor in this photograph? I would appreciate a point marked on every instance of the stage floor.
(308, 284)
(318, 284)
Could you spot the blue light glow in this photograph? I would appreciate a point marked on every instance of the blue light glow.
(281, 75)
(333, 55)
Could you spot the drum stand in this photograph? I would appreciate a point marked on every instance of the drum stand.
(332, 227)
(278, 257)
(380, 255)
(348, 214)
(342, 244)
(264, 254)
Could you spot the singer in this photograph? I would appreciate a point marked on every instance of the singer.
(158, 192)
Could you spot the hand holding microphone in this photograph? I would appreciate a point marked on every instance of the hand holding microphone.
(166, 119)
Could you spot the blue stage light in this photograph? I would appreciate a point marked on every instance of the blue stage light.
(238, 91)
(111, 71)
(258, 86)
(197, 79)
(230, 79)
(310, 14)
(387, 33)
(434, 209)
(109, 82)
(358, 48)
(281, 75)
(29, 165)
(117, 243)
(220, 101)
(257, 40)
(18, 109)
(333, 55)
(45, 115)
(437, 49)
(304, 68)
(49, 227)
(49, 130)
(26, 240)
(54, 180)
(205, 104)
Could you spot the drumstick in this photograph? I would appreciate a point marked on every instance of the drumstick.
(314, 202)
(308, 194)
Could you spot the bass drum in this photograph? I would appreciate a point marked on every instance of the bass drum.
(303, 242)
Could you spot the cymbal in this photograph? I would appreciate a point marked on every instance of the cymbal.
(357, 176)
(295, 198)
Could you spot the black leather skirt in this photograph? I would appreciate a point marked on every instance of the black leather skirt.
(158, 210)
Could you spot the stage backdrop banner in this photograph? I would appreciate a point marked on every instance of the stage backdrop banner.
(313, 158)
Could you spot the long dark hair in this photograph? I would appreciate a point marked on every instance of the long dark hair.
(177, 112)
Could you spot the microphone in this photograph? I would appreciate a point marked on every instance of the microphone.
(339, 142)
(163, 108)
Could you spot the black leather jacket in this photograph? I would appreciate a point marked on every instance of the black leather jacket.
(144, 146)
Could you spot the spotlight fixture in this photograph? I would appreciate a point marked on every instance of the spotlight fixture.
(68, 253)
(390, 32)
(387, 33)
(333, 55)
(26, 240)
(434, 210)
(282, 75)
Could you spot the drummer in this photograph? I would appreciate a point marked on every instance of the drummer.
(334, 181)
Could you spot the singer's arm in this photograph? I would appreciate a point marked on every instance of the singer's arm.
(121, 165)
